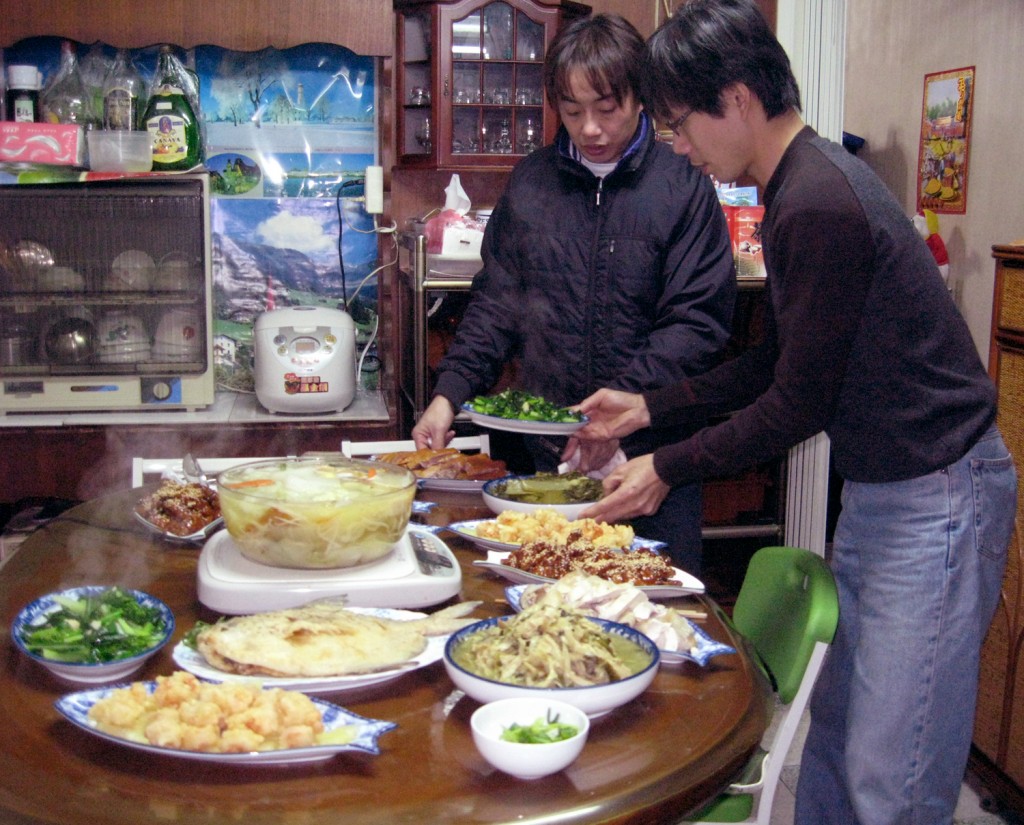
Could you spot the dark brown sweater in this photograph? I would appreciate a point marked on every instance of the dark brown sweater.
(863, 341)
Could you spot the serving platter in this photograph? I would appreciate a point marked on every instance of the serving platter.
(701, 653)
(682, 583)
(192, 660)
(75, 708)
(519, 425)
(468, 531)
(192, 538)
(452, 485)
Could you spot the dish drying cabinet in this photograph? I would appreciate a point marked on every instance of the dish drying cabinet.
(105, 295)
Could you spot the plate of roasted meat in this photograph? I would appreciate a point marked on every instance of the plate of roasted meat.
(180, 511)
(448, 469)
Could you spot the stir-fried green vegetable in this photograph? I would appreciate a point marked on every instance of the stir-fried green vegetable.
(105, 627)
(523, 406)
(540, 732)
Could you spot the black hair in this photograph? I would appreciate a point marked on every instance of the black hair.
(606, 48)
(708, 45)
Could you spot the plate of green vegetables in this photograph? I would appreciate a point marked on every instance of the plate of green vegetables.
(518, 411)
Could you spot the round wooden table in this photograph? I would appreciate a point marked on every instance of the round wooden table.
(650, 761)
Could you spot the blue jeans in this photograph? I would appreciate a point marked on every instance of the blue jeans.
(919, 566)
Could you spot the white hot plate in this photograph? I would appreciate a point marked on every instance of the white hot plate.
(420, 571)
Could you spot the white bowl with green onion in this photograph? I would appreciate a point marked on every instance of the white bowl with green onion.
(529, 737)
(93, 634)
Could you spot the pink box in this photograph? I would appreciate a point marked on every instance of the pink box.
(54, 144)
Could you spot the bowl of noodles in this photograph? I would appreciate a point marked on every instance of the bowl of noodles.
(317, 512)
(593, 664)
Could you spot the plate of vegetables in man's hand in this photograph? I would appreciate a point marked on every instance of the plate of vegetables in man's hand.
(518, 411)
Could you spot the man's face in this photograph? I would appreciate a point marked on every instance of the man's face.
(714, 144)
(600, 127)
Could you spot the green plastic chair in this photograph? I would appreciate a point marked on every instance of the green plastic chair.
(787, 608)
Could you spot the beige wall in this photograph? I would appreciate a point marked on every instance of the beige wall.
(890, 48)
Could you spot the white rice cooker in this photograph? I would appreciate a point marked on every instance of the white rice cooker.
(305, 359)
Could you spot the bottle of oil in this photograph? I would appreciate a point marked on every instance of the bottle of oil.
(170, 119)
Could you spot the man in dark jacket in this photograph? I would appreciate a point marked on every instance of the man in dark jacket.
(607, 262)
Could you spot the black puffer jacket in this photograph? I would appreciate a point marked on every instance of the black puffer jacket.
(626, 282)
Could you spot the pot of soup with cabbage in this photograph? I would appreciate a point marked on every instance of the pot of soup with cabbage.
(316, 512)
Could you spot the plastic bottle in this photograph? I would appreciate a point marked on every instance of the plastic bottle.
(170, 118)
(93, 66)
(64, 99)
(22, 96)
(122, 95)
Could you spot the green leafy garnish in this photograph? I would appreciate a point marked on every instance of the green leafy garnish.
(523, 406)
(104, 627)
(542, 731)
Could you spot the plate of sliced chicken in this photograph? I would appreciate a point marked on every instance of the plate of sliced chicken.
(321, 647)
(448, 469)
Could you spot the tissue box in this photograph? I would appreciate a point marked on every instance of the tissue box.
(56, 144)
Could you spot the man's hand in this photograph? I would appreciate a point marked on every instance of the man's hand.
(633, 489)
(612, 414)
(433, 430)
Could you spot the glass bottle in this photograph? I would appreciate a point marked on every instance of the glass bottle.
(93, 67)
(122, 94)
(64, 99)
(22, 96)
(170, 118)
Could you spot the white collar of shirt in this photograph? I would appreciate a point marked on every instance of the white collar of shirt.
(600, 170)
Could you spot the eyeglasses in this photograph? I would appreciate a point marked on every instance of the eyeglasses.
(674, 126)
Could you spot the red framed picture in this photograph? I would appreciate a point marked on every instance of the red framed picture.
(945, 140)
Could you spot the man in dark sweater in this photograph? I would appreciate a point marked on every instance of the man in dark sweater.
(864, 343)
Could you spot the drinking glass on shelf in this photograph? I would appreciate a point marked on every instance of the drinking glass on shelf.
(503, 143)
(423, 137)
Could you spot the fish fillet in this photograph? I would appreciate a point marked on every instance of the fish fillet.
(322, 639)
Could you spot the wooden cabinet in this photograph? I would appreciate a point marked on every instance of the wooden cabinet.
(364, 26)
(469, 88)
(999, 723)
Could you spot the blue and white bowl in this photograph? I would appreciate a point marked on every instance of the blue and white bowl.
(88, 672)
(593, 700)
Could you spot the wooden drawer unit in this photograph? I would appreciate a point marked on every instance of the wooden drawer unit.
(999, 721)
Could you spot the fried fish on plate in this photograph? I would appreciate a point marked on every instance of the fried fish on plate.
(322, 639)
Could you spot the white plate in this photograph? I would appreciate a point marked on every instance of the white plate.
(467, 529)
(192, 660)
(683, 584)
(706, 646)
(452, 485)
(518, 425)
(201, 535)
(75, 707)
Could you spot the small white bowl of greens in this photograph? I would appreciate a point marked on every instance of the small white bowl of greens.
(93, 634)
(529, 737)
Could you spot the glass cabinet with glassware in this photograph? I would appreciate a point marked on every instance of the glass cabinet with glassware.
(469, 80)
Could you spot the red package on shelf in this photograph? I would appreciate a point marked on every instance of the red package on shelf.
(54, 144)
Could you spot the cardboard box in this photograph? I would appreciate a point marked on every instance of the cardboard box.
(53, 144)
(745, 231)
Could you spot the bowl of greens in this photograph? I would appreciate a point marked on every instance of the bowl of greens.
(567, 493)
(93, 634)
(529, 737)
